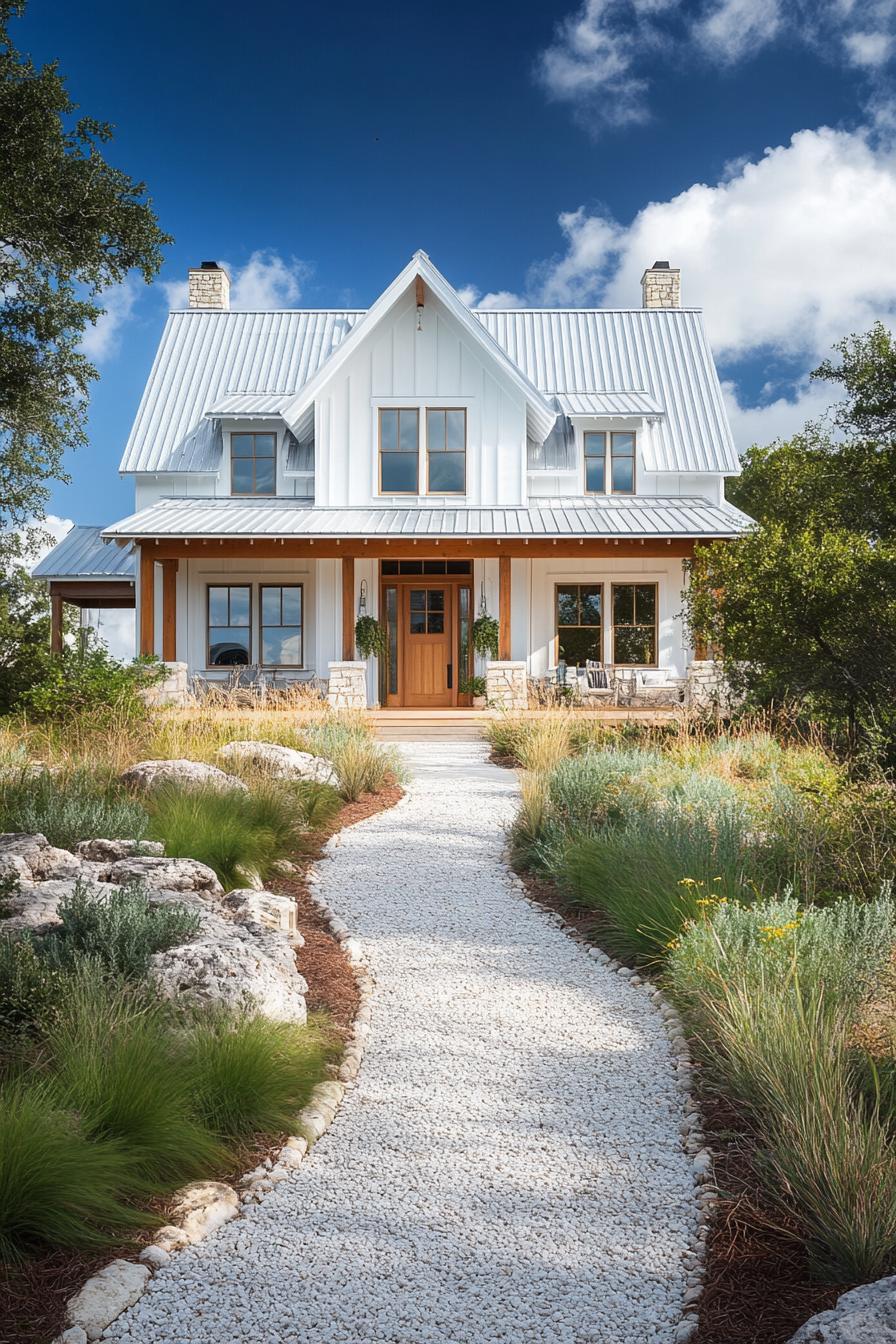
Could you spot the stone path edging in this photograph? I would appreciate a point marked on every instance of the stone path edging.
(109, 1292)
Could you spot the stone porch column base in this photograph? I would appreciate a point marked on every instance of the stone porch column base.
(506, 685)
(347, 687)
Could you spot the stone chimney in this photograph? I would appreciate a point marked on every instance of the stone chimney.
(661, 286)
(209, 286)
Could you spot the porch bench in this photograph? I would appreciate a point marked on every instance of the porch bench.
(650, 687)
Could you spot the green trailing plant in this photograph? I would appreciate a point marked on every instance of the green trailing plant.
(121, 929)
(370, 637)
(251, 1075)
(485, 636)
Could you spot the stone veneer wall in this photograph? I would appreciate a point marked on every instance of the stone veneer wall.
(506, 685)
(706, 687)
(208, 288)
(347, 688)
(173, 690)
(661, 287)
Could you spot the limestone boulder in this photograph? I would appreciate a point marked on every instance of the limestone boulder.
(31, 857)
(866, 1315)
(280, 762)
(148, 775)
(35, 908)
(267, 908)
(105, 1296)
(233, 965)
(167, 874)
(203, 1206)
(111, 851)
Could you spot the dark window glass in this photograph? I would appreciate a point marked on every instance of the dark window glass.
(458, 567)
(281, 625)
(446, 448)
(579, 624)
(253, 464)
(595, 462)
(229, 626)
(634, 623)
(427, 611)
(463, 633)
(389, 567)
(622, 457)
(389, 665)
(399, 450)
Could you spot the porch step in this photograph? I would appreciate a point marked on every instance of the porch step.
(429, 725)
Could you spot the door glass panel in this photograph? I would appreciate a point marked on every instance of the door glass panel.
(436, 623)
(389, 665)
(418, 623)
(418, 599)
(437, 599)
(463, 633)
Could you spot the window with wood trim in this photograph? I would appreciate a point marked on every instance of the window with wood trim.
(399, 450)
(635, 607)
(579, 609)
(229, 624)
(253, 464)
(281, 625)
(595, 462)
(446, 450)
(622, 463)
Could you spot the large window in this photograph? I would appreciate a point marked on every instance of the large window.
(446, 449)
(622, 463)
(281, 625)
(253, 464)
(596, 462)
(399, 451)
(634, 624)
(579, 623)
(229, 626)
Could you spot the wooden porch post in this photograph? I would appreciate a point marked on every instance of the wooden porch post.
(169, 610)
(147, 602)
(348, 608)
(504, 608)
(55, 623)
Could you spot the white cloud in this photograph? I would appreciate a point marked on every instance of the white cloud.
(114, 628)
(603, 53)
(778, 419)
(266, 281)
(102, 340)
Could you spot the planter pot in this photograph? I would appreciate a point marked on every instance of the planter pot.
(479, 702)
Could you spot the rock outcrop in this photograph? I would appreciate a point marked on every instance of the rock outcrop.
(866, 1315)
(280, 762)
(148, 775)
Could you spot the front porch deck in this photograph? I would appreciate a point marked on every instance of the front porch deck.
(467, 725)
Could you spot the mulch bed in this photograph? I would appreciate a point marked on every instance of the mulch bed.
(33, 1294)
(758, 1287)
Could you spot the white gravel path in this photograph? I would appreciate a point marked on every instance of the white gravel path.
(508, 1167)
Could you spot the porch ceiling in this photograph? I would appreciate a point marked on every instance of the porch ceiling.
(612, 518)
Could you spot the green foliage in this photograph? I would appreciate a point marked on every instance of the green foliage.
(92, 683)
(30, 990)
(72, 226)
(485, 636)
(118, 1063)
(472, 685)
(249, 1074)
(239, 835)
(69, 806)
(361, 764)
(867, 374)
(24, 617)
(122, 929)
(57, 1187)
(370, 637)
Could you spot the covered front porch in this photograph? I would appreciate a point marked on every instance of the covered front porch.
(283, 610)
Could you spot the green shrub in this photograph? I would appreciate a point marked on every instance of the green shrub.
(57, 1188)
(121, 929)
(647, 877)
(118, 1062)
(68, 807)
(239, 835)
(92, 683)
(30, 990)
(361, 764)
(250, 1074)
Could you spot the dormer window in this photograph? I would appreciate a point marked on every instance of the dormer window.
(622, 462)
(253, 464)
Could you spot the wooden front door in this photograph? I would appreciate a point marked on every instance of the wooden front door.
(427, 620)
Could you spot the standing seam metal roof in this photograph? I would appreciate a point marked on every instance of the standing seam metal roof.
(650, 358)
(83, 554)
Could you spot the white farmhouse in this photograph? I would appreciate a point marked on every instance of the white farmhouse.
(419, 462)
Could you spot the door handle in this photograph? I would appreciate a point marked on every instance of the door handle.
(450, 676)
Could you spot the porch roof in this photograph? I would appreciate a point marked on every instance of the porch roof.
(83, 554)
(613, 516)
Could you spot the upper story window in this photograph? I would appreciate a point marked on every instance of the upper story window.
(446, 450)
(622, 462)
(399, 450)
(253, 464)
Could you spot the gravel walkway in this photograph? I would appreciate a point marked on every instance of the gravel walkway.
(508, 1167)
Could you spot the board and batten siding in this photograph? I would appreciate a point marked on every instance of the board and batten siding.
(436, 366)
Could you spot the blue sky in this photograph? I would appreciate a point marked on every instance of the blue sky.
(540, 153)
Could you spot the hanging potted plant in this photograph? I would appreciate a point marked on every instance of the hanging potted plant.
(485, 635)
(370, 637)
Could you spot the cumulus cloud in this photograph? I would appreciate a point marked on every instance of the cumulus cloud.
(266, 281)
(602, 54)
(778, 418)
(102, 340)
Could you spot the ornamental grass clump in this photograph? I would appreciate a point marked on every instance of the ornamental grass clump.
(360, 763)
